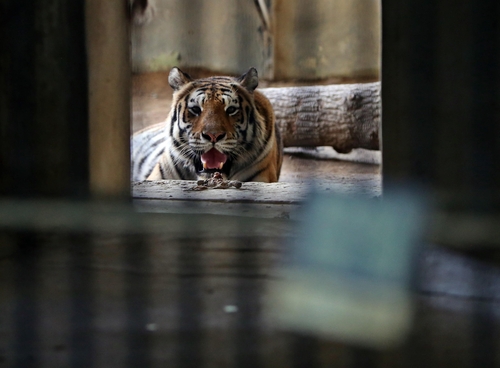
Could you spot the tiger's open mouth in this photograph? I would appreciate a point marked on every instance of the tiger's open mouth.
(212, 160)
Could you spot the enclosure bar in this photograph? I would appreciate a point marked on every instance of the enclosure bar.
(108, 39)
(43, 99)
(441, 109)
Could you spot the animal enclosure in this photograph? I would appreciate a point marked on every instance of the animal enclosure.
(90, 279)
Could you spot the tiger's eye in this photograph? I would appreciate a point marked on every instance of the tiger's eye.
(195, 110)
(231, 110)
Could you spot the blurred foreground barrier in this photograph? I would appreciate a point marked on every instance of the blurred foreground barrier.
(347, 276)
(440, 129)
(99, 285)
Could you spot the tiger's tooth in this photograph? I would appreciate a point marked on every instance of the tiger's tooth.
(220, 165)
(204, 165)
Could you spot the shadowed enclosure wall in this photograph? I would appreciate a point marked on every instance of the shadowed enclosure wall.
(305, 40)
(441, 109)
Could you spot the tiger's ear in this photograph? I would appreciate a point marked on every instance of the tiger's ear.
(177, 78)
(249, 80)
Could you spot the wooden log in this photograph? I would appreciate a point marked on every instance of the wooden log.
(344, 116)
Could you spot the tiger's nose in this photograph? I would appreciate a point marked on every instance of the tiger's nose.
(213, 137)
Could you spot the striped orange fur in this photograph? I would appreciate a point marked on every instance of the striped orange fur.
(215, 124)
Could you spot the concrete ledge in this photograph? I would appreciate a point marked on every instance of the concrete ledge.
(275, 200)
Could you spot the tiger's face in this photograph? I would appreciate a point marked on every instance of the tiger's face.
(215, 125)
(216, 119)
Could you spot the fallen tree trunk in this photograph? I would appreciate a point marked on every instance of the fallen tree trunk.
(343, 116)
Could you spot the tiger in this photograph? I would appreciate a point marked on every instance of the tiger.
(215, 124)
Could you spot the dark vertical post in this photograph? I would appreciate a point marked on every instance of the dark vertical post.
(81, 341)
(189, 303)
(137, 281)
(43, 99)
(441, 120)
(248, 299)
(44, 148)
(25, 342)
(441, 101)
(304, 351)
(484, 321)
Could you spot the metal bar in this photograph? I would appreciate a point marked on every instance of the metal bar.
(189, 304)
(82, 345)
(248, 301)
(26, 312)
(17, 97)
(43, 140)
(137, 293)
(484, 320)
(305, 351)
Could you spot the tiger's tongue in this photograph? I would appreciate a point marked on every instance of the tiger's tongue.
(213, 159)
